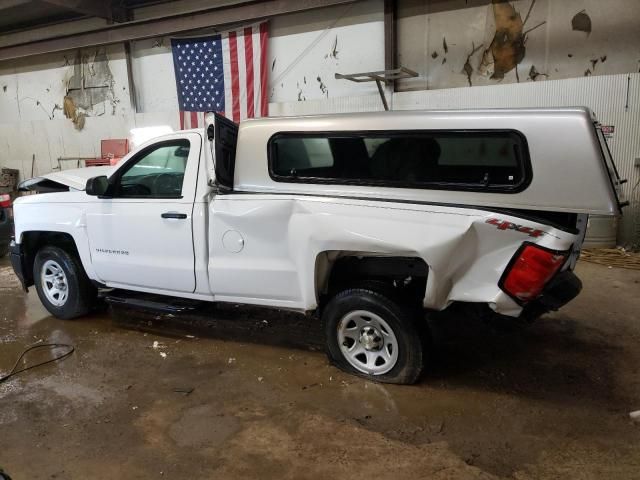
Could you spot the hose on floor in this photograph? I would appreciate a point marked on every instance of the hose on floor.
(13, 372)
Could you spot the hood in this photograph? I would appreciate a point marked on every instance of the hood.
(65, 180)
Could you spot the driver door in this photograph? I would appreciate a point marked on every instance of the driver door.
(141, 237)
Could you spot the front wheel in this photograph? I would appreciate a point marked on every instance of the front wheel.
(372, 336)
(62, 284)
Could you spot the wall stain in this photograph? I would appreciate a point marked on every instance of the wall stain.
(323, 87)
(334, 49)
(468, 69)
(273, 64)
(434, 55)
(4, 88)
(581, 22)
(507, 48)
(534, 74)
(445, 47)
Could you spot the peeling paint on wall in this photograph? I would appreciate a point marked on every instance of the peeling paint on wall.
(90, 88)
(507, 48)
(560, 39)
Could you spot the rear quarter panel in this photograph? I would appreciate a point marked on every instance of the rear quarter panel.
(284, 235)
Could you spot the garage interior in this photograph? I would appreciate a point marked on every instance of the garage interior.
(238, 392)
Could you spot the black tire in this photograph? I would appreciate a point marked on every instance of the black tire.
(402, 321)
(81, 294)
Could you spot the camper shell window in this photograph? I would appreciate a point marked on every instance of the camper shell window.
(479, 160)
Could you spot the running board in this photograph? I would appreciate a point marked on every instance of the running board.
(150, 303)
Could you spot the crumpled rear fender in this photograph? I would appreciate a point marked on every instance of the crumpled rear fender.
(466, 249)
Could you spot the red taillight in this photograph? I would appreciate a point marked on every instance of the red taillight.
(5, 201)
(532, 267)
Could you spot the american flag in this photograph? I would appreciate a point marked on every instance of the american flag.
(224, 73)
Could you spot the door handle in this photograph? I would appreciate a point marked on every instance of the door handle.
(180, 216)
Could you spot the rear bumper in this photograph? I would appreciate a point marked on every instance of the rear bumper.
(17, 257)
(561, 290)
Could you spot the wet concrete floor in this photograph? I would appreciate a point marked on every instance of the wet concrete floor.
(549, 401)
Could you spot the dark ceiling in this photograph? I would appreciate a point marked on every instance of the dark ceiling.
(18, 15)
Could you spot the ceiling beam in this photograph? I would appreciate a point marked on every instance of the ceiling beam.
(138, 30)
(91, 8)
(6, 4)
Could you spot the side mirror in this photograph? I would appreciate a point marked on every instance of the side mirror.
(97, 186)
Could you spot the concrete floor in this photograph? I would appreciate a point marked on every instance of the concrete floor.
(551, 401)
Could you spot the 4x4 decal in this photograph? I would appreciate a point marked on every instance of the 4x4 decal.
(505, 225)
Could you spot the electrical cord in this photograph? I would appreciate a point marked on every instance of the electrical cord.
(13, 372)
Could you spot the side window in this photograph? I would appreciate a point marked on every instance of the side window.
(157, 172)
(303, 155)
(455, 160)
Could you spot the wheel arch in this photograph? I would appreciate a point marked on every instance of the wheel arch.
(336, 270)
(34, 240)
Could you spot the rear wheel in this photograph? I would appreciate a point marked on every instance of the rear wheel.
(62, 284)
(371, 335)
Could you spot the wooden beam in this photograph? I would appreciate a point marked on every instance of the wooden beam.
(138, 30)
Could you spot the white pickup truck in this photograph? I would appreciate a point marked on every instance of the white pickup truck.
(368, 219)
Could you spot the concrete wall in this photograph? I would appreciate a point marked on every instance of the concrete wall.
(457, 43)
(305, 51)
